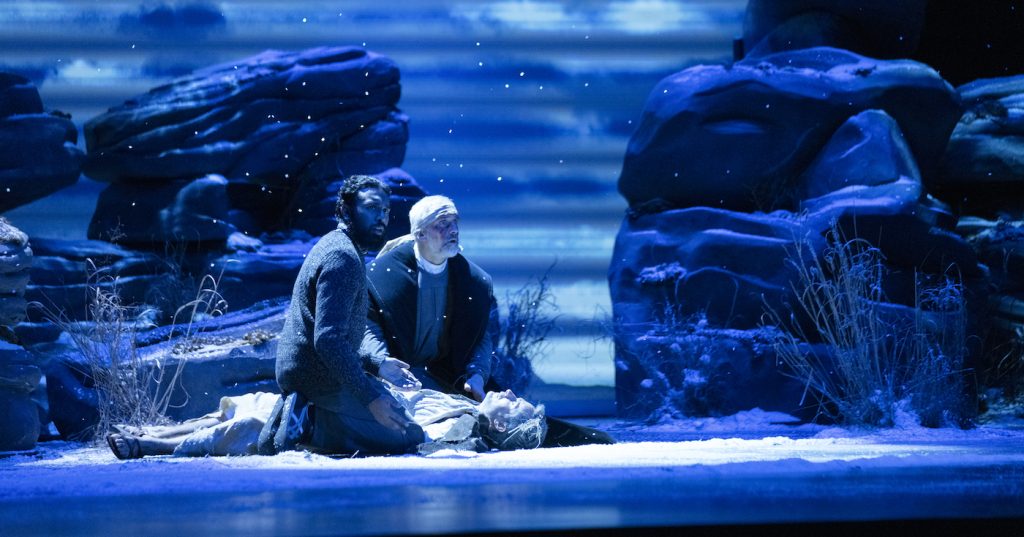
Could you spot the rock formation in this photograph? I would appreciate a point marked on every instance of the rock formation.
(731, 171)
(38, 155)
(250, 146)
(19, 375)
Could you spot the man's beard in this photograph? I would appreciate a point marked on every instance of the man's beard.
(367, 239)
(450, 249)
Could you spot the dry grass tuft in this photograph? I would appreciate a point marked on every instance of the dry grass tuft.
(879, 360)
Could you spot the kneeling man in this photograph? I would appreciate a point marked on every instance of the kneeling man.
(318, 353)
(430, 306)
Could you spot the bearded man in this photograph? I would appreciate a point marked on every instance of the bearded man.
(318, 354)
(430, 307)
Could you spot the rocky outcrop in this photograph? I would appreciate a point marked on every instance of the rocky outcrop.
(19, 375)
(737, 137)
(982, 172)
(250, 146)
(66, 273)
(823, 138)
(38, 152)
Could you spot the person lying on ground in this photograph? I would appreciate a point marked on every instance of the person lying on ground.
(433, 311)
(501, 421)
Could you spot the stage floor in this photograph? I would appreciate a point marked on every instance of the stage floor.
(705, 475)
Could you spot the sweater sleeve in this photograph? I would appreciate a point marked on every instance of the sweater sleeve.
(373, 349)
(337, 289)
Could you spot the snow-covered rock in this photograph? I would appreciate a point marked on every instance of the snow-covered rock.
(15, 264)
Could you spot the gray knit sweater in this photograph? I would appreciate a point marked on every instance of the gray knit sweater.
(318, 353)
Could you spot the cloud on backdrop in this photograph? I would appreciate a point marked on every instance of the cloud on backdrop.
(168, 21)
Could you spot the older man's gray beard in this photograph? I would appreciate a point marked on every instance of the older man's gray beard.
(451, 249)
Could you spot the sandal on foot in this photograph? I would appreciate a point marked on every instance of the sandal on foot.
(129, 449)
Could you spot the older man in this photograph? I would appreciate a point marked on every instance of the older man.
(430, 306)
(318, 353)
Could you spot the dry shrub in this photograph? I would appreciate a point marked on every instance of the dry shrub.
(877, 360)
(131, 390)
(523, 333)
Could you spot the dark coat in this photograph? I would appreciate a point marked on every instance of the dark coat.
(394, 292)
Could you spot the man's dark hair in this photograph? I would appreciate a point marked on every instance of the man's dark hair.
(348, 191)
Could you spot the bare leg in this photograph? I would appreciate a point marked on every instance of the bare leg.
(126, 446)
(181, 429)
(159, 446)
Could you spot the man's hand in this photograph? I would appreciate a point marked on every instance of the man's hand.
(474, 386)
(397, 373)
(385, 412)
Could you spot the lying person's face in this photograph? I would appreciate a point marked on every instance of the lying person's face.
(502, 408)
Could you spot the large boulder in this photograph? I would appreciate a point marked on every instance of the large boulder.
(66, 273)
(692, 286)
(737, 137)
(249, 146)
(982, 171)
(38, 151)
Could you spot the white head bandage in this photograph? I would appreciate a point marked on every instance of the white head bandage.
(425, 211)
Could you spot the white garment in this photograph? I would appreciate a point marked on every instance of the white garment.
(242, 418)
(434, 411)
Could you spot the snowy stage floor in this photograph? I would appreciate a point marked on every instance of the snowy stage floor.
(739, 471)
